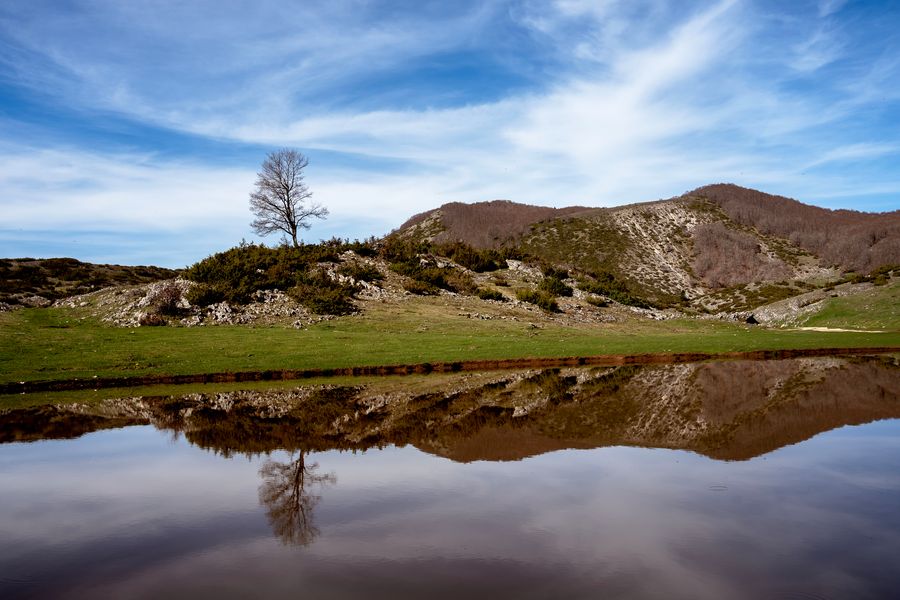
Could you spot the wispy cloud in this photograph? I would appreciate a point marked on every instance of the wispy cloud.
(550, 102)
(818, 50)
(65, 189)
(829, 7)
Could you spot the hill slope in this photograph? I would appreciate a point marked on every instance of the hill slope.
(732, 247)
(37, 282)
(484, 224)
(851, 239)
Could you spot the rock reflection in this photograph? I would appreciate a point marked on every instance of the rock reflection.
(287, 492)
(733, 410)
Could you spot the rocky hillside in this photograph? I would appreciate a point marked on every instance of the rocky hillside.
(716, 252)
(38, 282)
(719, 247)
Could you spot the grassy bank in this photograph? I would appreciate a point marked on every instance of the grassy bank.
(878, 308)
(38, 344)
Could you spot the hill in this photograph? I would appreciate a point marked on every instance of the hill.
(485, 224)
(715, 252)
(719, 246)
(854, 240)
(38, 282)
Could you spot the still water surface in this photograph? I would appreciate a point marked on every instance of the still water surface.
(720, 480)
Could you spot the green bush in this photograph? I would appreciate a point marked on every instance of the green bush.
(204, 294)
(489, 294)
(460, 282)
(541, 299)
(364, 248)
(555, 286)
(396, 250)
(322, 295)
(361, 272)
(879, 276)
(596, 301)
(434, 277)
(551, 271)
(246, 268)
(607, 284)
(472, 258)
(420, 288)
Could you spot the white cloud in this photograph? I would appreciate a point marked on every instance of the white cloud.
(647, 100)
(50, 189)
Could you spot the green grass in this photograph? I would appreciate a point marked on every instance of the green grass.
(876, 309)
(37, 344)
(416, 383)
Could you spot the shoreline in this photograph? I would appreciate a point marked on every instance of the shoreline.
(25, 387)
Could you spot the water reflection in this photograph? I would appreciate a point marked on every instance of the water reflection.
(222, 495)
(732, 410)
(287, 492)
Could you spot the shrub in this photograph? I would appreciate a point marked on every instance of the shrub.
(166, 298)
(414, 286)
(555, 286)
(460, 282)
(204, 294)
(551, 271)
(597, 301)
(477, 260)
(489, 294)
(499, 281)
(246, 268)
(361, 272)
(397, 250)
(541, 299)
(152, 319)
(364, 248)
(322, 295)
(434, 277)
(607, 284)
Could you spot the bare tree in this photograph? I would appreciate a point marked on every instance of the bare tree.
(287, 494)
(281, 201)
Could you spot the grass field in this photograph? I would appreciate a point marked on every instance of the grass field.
(57, 343)
(878, 308)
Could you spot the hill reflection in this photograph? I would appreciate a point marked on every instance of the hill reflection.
(732, 410)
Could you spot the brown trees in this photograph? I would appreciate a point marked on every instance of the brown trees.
(850, 239)
(724, 257)
(281, 201)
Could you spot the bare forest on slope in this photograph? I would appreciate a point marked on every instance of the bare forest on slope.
(850, 239)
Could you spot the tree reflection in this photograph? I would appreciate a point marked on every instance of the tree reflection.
(287, 494)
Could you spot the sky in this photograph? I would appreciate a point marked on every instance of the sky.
(131, 132)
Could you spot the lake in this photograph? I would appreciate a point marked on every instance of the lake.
(732, 479)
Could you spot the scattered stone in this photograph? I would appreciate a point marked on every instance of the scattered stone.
(35, 302)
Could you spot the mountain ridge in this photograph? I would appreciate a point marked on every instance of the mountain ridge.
(708, 240)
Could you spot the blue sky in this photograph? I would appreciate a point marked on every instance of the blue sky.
(131, 132)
